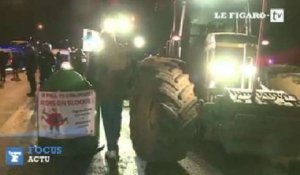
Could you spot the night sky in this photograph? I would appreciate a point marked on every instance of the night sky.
(61, 18)
(287, 33)
(66, 18)
(285, 37)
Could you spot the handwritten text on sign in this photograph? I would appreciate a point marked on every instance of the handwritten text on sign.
(66, 114)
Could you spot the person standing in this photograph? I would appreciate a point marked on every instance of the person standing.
(59, 60)
(77, 62)
(15, 66)
(31, 67)
(2, 57)
(111, 91)
(3, 62)
(46, 63)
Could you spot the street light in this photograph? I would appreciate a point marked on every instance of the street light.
(40, 27)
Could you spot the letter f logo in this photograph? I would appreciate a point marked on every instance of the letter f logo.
(14, 156)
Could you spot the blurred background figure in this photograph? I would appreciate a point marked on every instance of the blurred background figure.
(46, 62)
(59, 60)
(76, 61)
(15, 65)
(31, 67)
(3, 62)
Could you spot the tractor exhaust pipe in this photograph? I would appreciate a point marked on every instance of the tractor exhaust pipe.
(258, 53)
(174, 44)
(181, 27)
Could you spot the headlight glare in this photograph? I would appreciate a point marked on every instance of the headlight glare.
(124, 24)
(223, 69)
(249, 70)
(110, 25)
(139, 42)
(119, 24)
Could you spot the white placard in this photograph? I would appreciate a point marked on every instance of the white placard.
(91, 41)
(64, 115)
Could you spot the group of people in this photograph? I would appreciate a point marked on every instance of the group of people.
(14, 59)
(33, 58)
(44, 60)
(108, 75)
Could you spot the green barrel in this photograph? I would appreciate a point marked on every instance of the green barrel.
(64, 82)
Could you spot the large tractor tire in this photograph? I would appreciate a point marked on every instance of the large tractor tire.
(163, 109)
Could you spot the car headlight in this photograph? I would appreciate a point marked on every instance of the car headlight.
(223, 69)
(139, 42)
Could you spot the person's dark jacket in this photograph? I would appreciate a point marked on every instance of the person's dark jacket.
(15, 61)
(112, 75)
(59, 60)
(3, 59)
(46, 61)
(30, 58)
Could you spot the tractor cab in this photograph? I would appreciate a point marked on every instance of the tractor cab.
(229, 60)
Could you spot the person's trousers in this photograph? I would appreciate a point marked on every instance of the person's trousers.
(3, 73)
(45, 75)
(15, 73)
(111, 112)
(31, 80)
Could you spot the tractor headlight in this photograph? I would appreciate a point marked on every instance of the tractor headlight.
(223, 69)
(120, 24)
(249, 70)
(110, 25)
(124, 24)
(139, 42)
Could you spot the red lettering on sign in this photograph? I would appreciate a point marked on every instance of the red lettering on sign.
(78, 102)
(48, 102)
(61, 103)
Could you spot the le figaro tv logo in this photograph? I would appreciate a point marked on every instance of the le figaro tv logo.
(14, 156)
(275, 15)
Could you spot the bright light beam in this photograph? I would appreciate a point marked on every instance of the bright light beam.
(110, 25)
(139, 42)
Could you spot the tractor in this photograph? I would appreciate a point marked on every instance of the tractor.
(207, 86)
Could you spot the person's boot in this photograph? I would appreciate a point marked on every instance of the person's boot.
(112, 159)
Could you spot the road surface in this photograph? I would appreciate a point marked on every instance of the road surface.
(18, 128)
